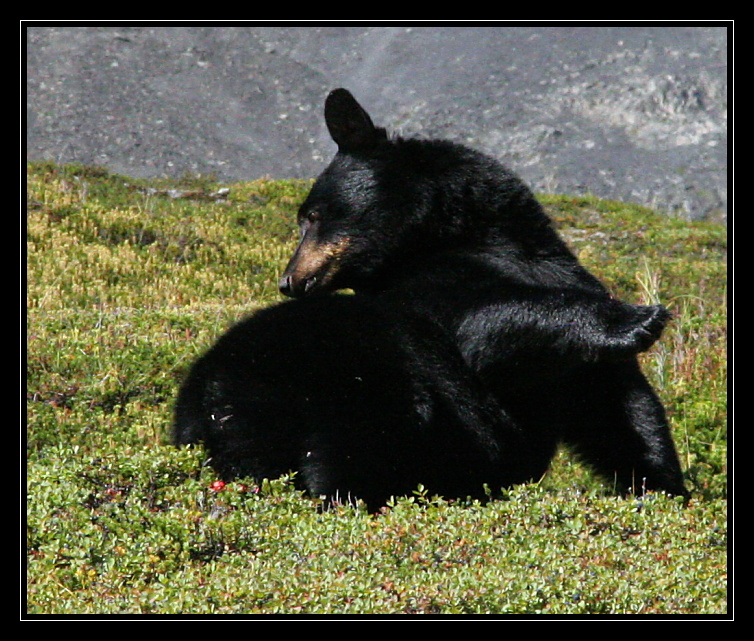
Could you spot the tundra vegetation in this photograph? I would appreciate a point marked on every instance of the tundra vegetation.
(128, 281)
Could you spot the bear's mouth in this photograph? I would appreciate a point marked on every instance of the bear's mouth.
(312, 267)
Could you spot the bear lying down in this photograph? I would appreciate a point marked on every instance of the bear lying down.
(474, 344)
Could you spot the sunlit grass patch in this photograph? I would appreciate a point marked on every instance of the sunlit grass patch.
(128, 281)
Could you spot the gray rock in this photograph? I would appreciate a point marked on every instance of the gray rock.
(636, 113)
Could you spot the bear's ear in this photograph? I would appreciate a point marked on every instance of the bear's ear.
(349, 125)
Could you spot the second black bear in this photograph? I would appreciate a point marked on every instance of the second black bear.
(451, 234)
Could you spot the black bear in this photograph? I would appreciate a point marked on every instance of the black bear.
(361, 400)
(452, 235)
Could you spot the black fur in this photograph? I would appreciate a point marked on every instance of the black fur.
(360, 400)
(475, 342)
(452, 234)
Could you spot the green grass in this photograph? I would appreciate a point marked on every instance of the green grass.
(128, 281)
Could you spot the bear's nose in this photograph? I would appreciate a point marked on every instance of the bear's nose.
(286, 285)
(295, 288)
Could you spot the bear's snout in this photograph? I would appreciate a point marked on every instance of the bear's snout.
(295, 288)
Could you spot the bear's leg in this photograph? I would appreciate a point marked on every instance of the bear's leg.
(615, 421)
(564, 327)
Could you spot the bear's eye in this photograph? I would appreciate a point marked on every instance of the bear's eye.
(308, 217)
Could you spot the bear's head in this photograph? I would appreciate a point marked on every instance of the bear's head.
(385, 202)
(367, 208)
